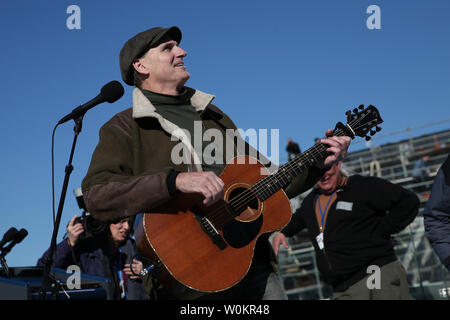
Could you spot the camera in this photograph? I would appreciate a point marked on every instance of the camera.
(92, 227)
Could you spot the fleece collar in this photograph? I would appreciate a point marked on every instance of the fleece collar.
(142, 107)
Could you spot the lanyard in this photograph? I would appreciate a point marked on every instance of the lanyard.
(322, 213)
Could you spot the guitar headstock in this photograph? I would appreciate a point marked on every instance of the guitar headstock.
(362, 120)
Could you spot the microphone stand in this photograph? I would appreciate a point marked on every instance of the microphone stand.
(48, 280)
(4, 265)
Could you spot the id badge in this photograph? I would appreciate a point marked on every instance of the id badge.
(319, 240)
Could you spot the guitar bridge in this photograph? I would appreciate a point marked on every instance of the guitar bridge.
(211, 231)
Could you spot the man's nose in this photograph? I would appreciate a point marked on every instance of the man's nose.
(180, 52)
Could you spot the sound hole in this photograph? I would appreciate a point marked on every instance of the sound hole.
(244, 203)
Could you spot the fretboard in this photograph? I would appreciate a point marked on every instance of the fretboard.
(269, 185)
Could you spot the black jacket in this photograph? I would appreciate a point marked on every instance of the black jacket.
(357, 233)
(436, 215)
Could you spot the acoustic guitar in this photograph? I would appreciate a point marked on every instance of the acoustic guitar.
(210, 249)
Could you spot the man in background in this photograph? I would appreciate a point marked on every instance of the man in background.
(350, 221)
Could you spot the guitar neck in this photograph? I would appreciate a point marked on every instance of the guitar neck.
(269, 185)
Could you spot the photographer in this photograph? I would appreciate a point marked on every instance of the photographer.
(107, 252)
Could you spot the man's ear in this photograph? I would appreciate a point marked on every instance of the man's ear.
(140, 67)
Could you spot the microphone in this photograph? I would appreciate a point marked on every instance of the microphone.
(8, 236)
(111, 92)
(19, 236)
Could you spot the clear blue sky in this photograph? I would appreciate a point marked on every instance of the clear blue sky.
(296, 66)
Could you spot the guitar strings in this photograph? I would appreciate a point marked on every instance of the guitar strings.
(315, 150)
(239, 203)
(242, 200)
(248, 195)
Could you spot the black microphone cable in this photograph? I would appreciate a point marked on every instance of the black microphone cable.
(53, 173)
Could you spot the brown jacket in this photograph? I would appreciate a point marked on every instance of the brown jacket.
(129, 166)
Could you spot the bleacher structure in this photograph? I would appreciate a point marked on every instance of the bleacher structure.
(427, 277)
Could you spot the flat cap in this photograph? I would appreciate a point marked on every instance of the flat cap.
(140, 44)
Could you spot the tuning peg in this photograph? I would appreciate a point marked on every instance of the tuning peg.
(361, 106)
(378, 128)
(372, 132)
(367, 138)
(348, 113)
(355, 110)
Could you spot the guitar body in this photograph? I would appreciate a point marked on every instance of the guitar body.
(174, 235)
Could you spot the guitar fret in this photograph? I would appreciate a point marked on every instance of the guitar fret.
(287, 172)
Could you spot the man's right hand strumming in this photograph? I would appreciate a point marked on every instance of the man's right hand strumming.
(206, 183)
